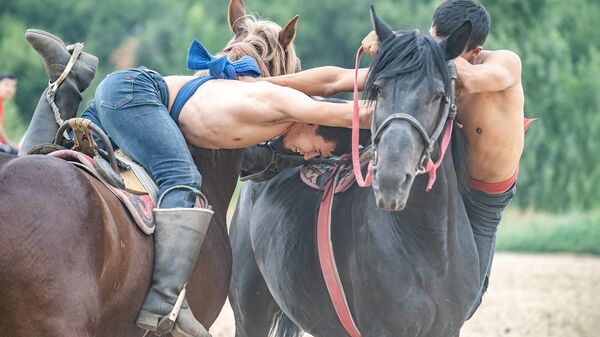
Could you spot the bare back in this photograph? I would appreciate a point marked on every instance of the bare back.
(493, 125)
(228, 114)
(225, 114)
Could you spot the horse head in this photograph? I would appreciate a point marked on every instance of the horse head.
(411, 81)
(265, 41)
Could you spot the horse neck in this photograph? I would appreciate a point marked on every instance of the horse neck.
(431, 216)
(220, 170)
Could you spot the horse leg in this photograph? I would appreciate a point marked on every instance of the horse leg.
(253, 305)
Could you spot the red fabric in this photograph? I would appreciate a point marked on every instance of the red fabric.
(527, 122)
(327, 261)
(494, 188)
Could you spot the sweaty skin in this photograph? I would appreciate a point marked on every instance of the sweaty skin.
(235, 114)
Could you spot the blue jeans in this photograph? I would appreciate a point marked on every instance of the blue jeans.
(130, 106)
(8, 149)
(485, 212)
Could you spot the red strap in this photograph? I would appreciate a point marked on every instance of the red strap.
(327, 260)
(366, 182)
(430, 167)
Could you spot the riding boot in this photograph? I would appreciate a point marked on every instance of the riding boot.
(56, 56)
(177, 240)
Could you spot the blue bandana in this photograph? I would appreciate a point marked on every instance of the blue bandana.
(220, 67)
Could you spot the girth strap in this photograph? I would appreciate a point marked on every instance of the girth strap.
(327, 259)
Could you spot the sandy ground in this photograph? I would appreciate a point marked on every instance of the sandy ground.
(529, 295)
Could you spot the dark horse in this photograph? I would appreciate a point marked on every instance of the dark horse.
(73, 263)
(411, 272)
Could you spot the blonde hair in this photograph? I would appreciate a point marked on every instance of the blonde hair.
(259, 39)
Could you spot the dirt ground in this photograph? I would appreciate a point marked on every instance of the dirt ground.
(529, 295)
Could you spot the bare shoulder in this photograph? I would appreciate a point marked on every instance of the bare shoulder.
(503, 57)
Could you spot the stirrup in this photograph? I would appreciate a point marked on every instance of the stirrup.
(53, 86)
(167, 323)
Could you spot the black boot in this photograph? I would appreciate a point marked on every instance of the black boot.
(56, 56)
(177, 241)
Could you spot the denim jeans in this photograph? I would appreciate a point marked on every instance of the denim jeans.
(130, 106)
(485, 212)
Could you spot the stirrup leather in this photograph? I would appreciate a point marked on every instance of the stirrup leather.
(166, 324)
(53, 86)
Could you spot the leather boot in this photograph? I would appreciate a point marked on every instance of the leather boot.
(177, 241)
(56, 55)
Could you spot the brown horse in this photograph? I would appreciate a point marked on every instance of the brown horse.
(72, 261)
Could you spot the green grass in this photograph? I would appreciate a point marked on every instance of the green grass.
(530, 231)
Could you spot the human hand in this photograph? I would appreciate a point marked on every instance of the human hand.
(370, 43)
(366, 110)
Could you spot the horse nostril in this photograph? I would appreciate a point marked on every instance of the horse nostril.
(407, 180)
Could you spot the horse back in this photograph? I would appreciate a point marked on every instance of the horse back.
(71, 253)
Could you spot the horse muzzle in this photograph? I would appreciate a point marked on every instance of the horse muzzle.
(392, 189)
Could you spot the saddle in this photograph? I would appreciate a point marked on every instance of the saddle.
(125, 178)
(318, 174)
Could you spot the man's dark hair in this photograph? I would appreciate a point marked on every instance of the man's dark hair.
(451, 14)
(4, 75)
(342, 137)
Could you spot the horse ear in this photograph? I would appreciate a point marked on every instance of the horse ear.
(381, 28)
(236, 10)
(456, 42)
(288, 33)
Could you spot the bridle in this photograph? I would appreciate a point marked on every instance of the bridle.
(445, 125)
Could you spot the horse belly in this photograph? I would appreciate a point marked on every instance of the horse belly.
(283, 226)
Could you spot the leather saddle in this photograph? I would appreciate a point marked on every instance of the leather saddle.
(128, 180)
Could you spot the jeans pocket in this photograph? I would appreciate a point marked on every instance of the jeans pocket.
(116, 89)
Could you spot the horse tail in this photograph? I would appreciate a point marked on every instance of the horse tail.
(284, 327)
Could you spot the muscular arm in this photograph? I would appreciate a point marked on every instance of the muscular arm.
(321, 81)
(499, 71)
(294, 106)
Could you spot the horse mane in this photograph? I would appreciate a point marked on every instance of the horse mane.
(259, 39)
(407, 53)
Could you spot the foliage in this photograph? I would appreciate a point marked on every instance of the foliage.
(573, 232)
(557, 41)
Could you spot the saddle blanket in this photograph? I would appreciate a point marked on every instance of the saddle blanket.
(139, 205)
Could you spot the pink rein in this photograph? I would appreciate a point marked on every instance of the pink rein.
(362, 182)
(430, 166)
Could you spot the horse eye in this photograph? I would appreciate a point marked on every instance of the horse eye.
(377, 89)
(437, 98)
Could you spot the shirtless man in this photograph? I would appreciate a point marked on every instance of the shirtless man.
(151, 117)
(490, 104)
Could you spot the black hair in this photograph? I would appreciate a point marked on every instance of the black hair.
(451, 14)
(342, 137)
(4, 75)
